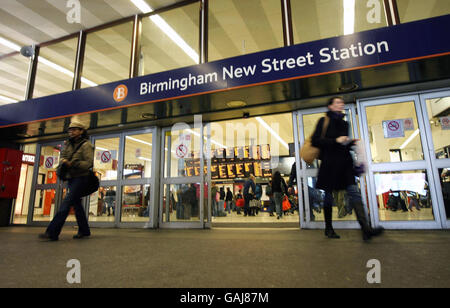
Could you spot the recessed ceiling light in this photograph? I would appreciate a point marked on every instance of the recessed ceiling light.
(236, 104)
(348, 87)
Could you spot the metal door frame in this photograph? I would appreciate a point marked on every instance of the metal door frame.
(120, 181)
(424, 164)
(202, 179)
(303, 173)
(435, 163)
(58, 187)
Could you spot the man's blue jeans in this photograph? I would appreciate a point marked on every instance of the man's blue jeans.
(73, 198)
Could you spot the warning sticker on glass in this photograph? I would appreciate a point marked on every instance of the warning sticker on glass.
(393, 129)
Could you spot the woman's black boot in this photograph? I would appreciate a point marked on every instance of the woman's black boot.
(331, 234)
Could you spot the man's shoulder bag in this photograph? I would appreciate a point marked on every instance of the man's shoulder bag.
(308, 152)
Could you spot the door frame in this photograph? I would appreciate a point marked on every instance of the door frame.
(435, 163)
(202, 179)
(58, 187)
(304, 173)
(120, 182)
(424, 164)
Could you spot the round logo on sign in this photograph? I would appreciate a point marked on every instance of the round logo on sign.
(181, 151)
(49, 162)
(393, 126)
(120, 93)
(106, 157)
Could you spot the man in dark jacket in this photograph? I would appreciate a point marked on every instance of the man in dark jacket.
(337, 170)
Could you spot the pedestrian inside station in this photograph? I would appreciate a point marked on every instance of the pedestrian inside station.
(186, 101)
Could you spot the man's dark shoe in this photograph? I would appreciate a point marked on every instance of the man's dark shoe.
(80, 236)
(373, 232)
(331, 234)
(47, 237)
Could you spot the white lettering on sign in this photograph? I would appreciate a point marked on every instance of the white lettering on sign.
(325, 55)
(28, 158)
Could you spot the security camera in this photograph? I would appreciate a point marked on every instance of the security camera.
(27, 51)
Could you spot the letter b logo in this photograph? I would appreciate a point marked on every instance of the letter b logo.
(120, 93)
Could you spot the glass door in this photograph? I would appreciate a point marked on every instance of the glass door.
(312, 215)
(47, 191)
(436, 110)
(401, 182)
(125, 164)
(183, 190)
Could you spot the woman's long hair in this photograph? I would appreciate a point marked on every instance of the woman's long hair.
(276, 179)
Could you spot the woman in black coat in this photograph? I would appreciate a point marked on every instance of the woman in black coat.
(337, 170)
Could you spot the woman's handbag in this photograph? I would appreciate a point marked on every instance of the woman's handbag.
(286, 204)
(308, 152)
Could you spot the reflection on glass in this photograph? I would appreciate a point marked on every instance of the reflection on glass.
(102, 205)
(135, 203)
(341, 208)
(159, 50)
(111, 117)
(320, 19)
(444, 177)
(411, 10)
(182, 152)
(242, 27)
(440, 125)
(25, 182)
(106, 158)
(181, 202)
(403, 196)
(44, 205)
(55, 68)
(13, 78)
(107, 55)
(394, 133)
(48, 163)
(138, 156)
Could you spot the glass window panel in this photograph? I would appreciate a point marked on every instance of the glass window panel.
(107, 55)
(403, 195)
(411, 10)
(44, 205)
(182, 151)
(112, 117)
(255, 146)
(102, 205)
(138, 156)
(394, 133)
(23, 194)
(438, 113)
(106, 158)
(55, 68)
(319, 19)
(160, 50)
(135, 203)
(242, 27)
(444, 178)
(48, 162)
(13, 78)
(181, 202)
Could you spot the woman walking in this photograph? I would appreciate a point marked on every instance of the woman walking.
(78, 158)
(337, 169)
(279, 189)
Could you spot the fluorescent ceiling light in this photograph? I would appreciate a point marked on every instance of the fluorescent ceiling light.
(414, 135)
(349, 17)
(212, 141)
(9, 44)
(266, 126)
(138, 140)
(144, 158)
(168, 30)
(42, 60)
(7, 99)
(142, 5)
(101, 149)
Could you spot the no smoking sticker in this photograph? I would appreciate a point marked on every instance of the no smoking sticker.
(393, 129)
(181, 151)
(105, 157)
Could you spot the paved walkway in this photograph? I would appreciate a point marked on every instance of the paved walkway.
(224, 258)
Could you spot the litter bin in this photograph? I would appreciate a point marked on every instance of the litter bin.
(5, 212)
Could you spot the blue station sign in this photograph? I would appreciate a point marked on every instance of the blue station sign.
(402, 43)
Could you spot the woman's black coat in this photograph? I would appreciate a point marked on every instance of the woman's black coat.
(336, 170)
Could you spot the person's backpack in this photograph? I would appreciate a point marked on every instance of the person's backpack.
(269, 190)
